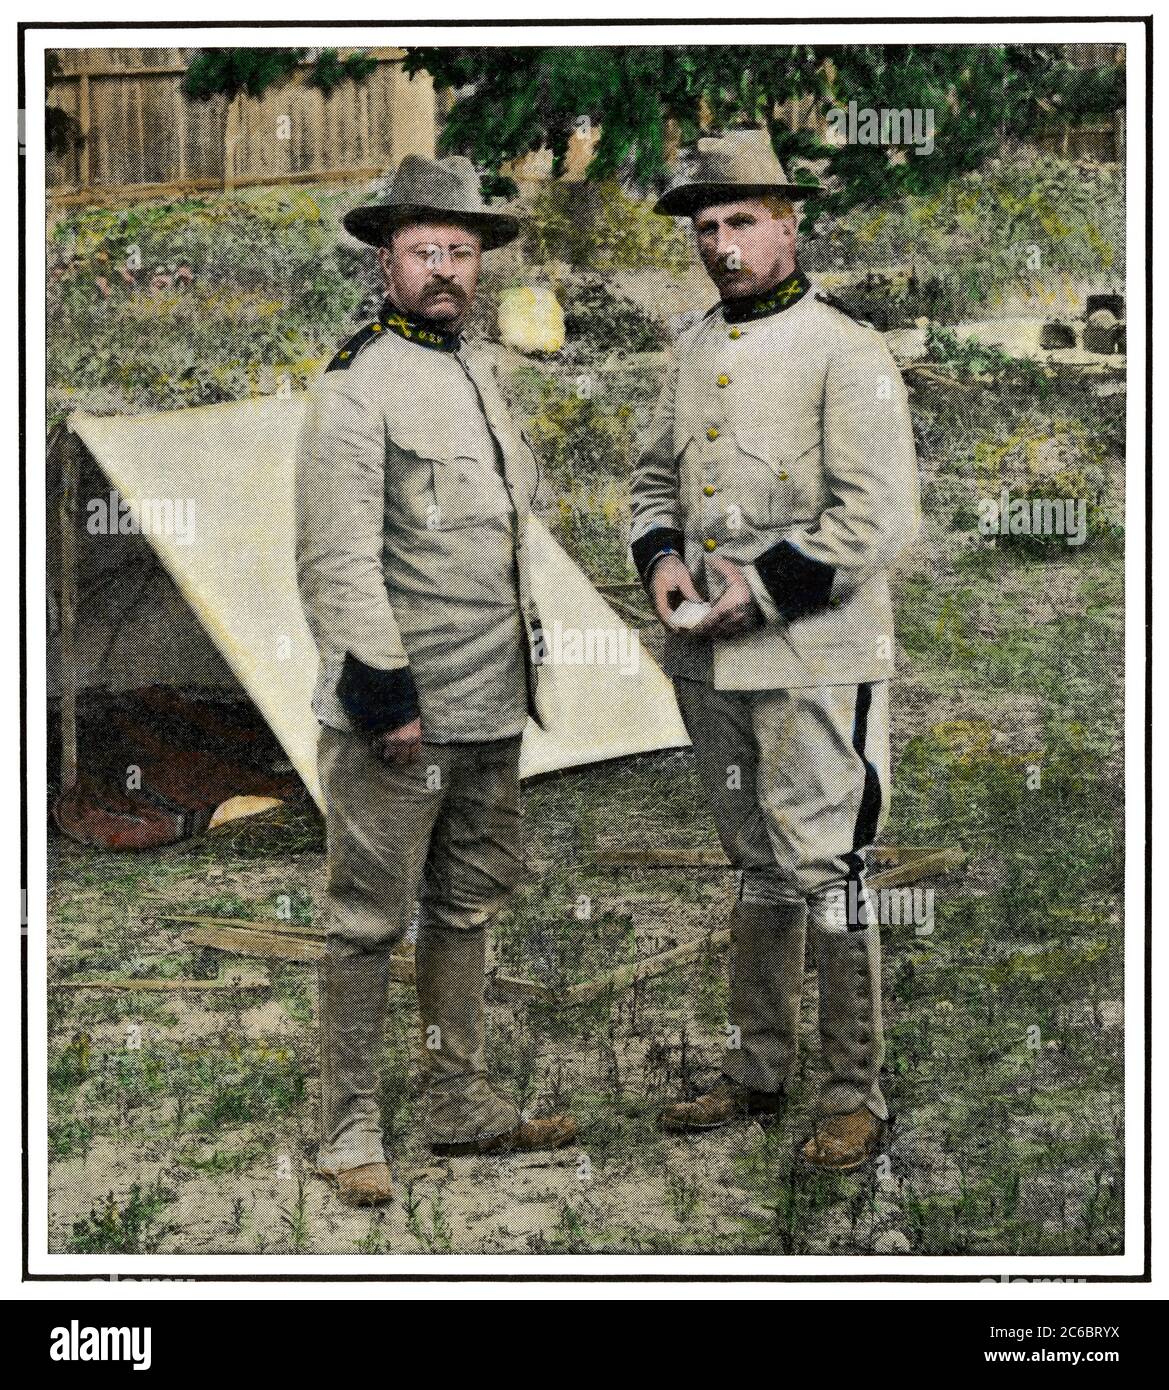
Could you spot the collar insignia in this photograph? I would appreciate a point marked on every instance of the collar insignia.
(416, 330)
(772, 301)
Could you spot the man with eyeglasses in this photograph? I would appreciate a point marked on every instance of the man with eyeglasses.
(413, 492)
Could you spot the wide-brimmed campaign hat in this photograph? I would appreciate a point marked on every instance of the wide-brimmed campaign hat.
(447, 189)
(725, 168)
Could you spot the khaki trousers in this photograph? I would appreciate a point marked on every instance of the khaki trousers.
(443, 830)
(797, 781)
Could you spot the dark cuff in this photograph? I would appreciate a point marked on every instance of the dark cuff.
(648, 547)
(377, 701)
(798, 585)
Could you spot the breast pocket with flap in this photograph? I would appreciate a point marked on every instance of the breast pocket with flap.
(440, 484)
(466, 493)
(762, 483)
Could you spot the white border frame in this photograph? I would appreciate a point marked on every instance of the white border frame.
(996, 1270)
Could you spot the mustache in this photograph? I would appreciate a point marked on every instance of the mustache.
(451, 287)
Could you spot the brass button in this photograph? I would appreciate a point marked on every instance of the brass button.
(833, 603)
(724, 380)
(734, 333)
(708, 490)
(710, 544)
(377, 328)
(712, 433)
(343, 354)
(783, 476)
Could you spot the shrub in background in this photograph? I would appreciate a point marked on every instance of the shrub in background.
(165, 305)
(596, 226)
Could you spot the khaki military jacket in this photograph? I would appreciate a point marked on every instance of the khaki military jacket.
(783, 442)
(413, 493)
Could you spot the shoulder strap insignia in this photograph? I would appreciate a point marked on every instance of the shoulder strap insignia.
(361, 339)
(686, 320)
(841, 308)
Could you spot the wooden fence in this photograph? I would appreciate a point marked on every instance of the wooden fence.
(137, 135)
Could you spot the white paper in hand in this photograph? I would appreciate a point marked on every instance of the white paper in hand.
(688, 614)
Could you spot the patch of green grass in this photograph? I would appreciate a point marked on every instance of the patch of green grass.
(429, 1222)
(795, 1195)
(263, 1087)
(292, 987)
(211, 1089)
(70, 1138)
(130, 1227)
(684, 1193)
(91, 1008)
(374, 1241)
(71, 1066)
(294, 1218)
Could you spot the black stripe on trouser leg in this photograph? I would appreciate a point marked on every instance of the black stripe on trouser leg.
(865, 831)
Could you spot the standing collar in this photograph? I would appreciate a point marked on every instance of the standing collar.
(418, 330)
(772, 301)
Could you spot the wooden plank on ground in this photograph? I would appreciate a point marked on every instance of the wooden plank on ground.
(245, 942)
(905, 864)
(910, 865)
(925, 865)
(270, 926)
(942, 380)
(175, 985)
(636, 971)
(508, 989)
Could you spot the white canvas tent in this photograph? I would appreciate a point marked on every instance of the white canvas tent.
(234, 465)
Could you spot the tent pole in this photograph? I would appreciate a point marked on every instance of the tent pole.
(67, 518)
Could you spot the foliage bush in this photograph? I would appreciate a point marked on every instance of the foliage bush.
(971, 242)
(599, 320)
(586, 446)
(647, 98)
(598, 227)
(131, 1229)
(578, 438)
(165, 305)
(1052, 458)
(229, 71)
(967, 358)
(593, 525)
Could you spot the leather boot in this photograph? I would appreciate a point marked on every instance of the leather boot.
(449, 972)
(851, 1029)
(367, 1186)
(843, 1142)
(526, 1136)
(353, 992)
(725, 1101)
